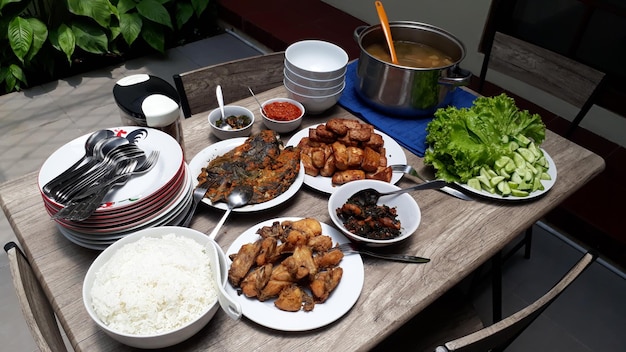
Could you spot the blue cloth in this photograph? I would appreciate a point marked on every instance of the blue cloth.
(408, 132)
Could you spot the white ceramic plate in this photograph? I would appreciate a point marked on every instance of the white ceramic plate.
(339, 303)
(547, 185)
(220, 148)
(138, 187)
(395, 155)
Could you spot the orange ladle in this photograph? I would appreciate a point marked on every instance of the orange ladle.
(384, 22)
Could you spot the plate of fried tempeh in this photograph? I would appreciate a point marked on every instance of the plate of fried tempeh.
(343, 150)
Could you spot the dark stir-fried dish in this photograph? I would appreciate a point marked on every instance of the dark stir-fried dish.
(377, 222)
(262, 163)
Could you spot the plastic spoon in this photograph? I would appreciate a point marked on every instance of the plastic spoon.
(229, 305)
(384, 22)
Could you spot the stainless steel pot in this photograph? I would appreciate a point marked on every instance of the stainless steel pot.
(407, 91)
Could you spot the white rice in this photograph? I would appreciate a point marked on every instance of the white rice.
(154, 285)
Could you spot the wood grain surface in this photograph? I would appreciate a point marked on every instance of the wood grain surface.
(457, 235)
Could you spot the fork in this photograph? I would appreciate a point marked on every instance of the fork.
(198, 195)
(409, 170)
(349, 247)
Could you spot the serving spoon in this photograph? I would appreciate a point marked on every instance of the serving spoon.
(370, 196)
(384, 22)
(238, 197)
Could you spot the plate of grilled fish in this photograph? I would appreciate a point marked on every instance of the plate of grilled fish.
(288, 274)
(261, 161)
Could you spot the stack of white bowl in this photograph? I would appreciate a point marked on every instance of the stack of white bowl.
(315, 74)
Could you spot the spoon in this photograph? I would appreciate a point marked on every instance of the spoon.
(369, 196)
(384, 22)
(229, 305)
(71, 172)
(220, 99)
(257, 101)
(238, 197)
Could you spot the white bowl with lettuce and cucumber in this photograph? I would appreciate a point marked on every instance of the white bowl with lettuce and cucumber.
(492, 149)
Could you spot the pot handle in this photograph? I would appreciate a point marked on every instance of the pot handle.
(456, 76)
(357, 33)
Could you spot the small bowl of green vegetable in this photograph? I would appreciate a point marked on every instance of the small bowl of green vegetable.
(237, 122)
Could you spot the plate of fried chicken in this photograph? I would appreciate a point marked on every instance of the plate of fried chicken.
(288, 275)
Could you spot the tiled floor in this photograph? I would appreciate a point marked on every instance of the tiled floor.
(591, 316)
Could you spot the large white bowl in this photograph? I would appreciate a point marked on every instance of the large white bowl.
(407, 209)
(315, 104)
(282, 126)
(313, 83)
(173, 337)
(230, 110)
(316, 59)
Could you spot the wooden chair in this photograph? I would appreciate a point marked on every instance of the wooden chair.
(197, 88)
(500, 335)
(451, 318)
(555, 74)
(36, 308)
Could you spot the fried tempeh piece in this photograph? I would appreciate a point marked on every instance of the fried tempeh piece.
(341, 177)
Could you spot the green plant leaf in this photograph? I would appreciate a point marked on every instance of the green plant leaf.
(130, 26)
(40, 34)
(154, 11)
(154, 36)
(184, 11)
(63, 39)
(16, 71)
(3, 3)
(199, 6)
(99, 10)
(90, 37)
(20, 34)
(123, 6)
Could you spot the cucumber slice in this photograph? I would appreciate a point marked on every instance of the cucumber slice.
(527, 154)
(474, 183)
(545, 176)
(519, 193)
(504, 188)
(496, 180)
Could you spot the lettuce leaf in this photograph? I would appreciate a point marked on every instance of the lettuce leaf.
(461, 141)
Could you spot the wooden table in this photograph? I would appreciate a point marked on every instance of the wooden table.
(457, 235)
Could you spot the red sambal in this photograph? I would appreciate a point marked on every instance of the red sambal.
(282, 111)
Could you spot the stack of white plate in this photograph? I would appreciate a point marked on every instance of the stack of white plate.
(160, 197)
(315, 74)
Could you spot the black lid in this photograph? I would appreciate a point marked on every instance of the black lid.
(130, 92)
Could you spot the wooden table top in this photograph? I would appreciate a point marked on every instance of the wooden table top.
(457, 235)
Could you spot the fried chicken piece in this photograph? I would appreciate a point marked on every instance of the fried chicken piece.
(324, 283)
(328, 259)
(296, 238)
(301, 264)
(256, 280)
(273, 289)
(269, 252)
(309, 226)
(320, 243)
(290, 299)
(242, 262)
(275, 230)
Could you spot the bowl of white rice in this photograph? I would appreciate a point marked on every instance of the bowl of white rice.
(155, 288)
